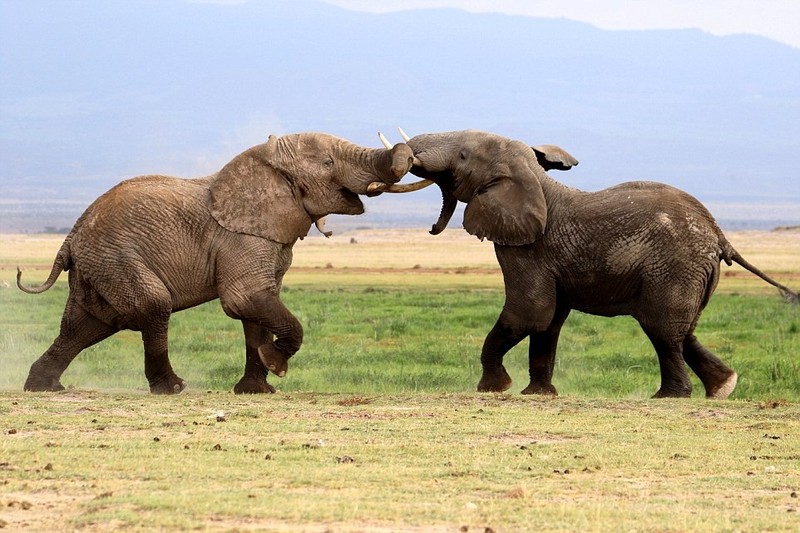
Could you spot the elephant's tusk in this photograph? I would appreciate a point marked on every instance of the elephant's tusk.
(403, 134)
(320, 224)
(379, 186)
(385, 141)
(416, 162)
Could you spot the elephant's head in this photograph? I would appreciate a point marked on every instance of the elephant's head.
(498, 178)
(278, 189)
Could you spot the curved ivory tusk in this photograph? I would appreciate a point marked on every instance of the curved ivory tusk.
(320, 224)
(385, 141)
(403, 134)
(378, 186)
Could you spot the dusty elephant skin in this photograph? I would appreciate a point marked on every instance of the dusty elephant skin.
(154, 245)
(642, 249)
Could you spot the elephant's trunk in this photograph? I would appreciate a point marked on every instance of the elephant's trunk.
(393, 163)
(449, 203)
(403, 160)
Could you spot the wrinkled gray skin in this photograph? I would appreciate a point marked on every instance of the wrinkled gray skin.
(642, 249)
(154, 245)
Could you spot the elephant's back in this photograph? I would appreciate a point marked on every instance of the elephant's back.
(640, 227)
(652, 204)
(147, 212)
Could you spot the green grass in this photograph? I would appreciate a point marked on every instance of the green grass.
(375, 339)
(377, 426)
(403, 462)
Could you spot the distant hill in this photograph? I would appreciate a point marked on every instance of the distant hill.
(92, 92)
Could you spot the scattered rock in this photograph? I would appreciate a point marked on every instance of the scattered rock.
(219, 416)
(345, 459)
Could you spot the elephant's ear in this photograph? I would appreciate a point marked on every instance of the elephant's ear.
(251, 196)
(508, 211)
(552, 157)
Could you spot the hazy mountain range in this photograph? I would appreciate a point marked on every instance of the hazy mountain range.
(92, 92)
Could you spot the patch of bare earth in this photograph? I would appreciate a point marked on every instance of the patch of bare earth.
(279, 526)
(40, 511)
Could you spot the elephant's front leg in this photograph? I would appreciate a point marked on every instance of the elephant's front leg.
(265, 310)
(542, 356)
(541, 363)
(500, 340)
(254, 380)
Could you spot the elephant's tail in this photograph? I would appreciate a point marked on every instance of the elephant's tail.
(60, 264)
(788, 294)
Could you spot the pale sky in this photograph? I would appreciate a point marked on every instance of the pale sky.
(776, 19)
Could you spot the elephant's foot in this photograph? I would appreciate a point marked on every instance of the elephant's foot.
(253, 385)
(43, 384)
(546, 390)
(669, 393)
(496, 380)
(724, 389)
(275, 360)
(170, 384)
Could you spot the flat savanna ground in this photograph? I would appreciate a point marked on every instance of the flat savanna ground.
(376, 427)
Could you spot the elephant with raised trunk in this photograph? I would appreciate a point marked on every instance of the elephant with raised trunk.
(642, 249)
(154, 245)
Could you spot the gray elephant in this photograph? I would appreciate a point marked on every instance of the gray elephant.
(154, 245)
(642, 249)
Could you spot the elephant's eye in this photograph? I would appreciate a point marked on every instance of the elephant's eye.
(328, 162)
(462, 155)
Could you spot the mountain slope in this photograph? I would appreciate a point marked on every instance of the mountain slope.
(93, 92)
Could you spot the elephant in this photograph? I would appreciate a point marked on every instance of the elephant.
(153, 245)
(640, 248)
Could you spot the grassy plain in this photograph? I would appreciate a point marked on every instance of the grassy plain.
(99, 461)
(376, 427)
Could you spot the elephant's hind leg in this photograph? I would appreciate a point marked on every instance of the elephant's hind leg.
(151, 315)
(674, 377)
(79, 330)
(718, 379)
(157, 368)
(254, 380)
